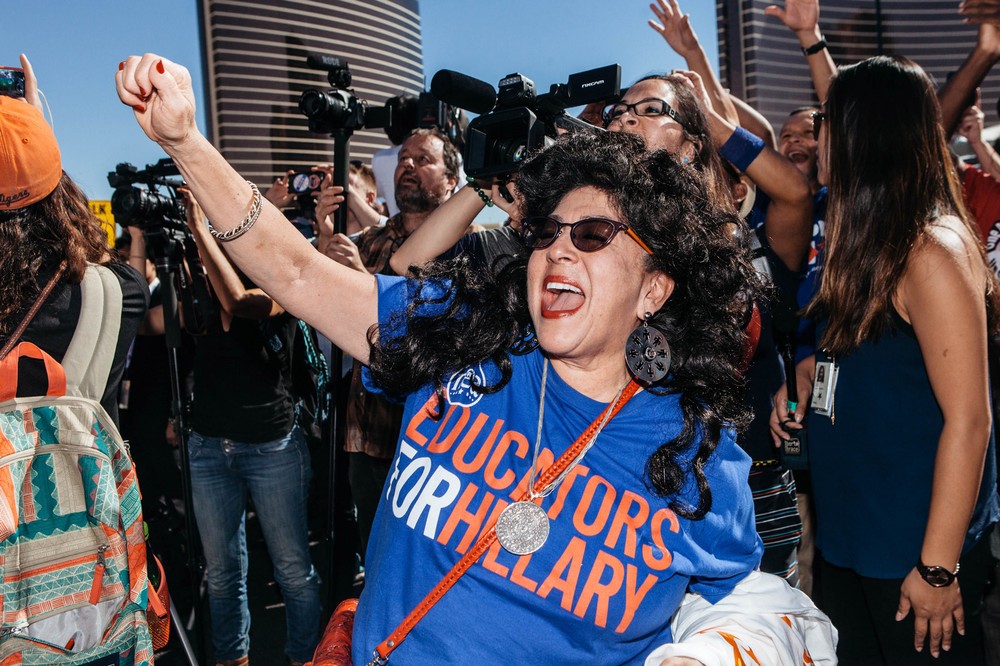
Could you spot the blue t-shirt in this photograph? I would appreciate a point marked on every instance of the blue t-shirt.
(617, 560)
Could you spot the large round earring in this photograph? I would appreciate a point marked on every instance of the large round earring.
(647, 353)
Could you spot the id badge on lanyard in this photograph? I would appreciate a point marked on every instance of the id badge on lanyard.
(825, 387)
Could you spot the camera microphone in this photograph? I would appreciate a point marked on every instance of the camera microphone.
(463, 91)
(325, 62)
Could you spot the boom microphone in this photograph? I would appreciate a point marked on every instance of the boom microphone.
(325, 62)
(463, 91)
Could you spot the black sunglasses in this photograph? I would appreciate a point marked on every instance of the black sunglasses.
(818, 118)
(650, 106)
(588, 235)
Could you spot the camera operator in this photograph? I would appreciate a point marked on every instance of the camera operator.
(404, 121)
(245, 443)
(49, 237)
(361, 206)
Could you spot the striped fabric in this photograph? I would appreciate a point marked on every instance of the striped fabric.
(778, 521)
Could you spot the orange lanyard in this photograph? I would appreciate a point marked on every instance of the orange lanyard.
(380, 656)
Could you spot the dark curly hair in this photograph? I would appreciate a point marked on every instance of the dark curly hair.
(485, 314)
(59, 227)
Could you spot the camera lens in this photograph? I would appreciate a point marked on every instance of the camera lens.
(323, 106)
(509, 150)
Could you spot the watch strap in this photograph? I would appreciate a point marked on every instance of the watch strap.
(815, 48)
(937, 576)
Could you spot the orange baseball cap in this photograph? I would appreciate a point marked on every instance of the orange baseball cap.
(30, 165)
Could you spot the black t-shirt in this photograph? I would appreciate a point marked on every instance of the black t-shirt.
(493, 247)
(53, 327)
(242, 381)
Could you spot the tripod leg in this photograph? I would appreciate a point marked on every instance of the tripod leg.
(181, 632)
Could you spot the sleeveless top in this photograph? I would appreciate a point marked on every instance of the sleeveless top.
(873, 463)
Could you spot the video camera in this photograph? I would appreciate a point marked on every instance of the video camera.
(163, 221)
(516, 120)
(148, 208)
(330, 110)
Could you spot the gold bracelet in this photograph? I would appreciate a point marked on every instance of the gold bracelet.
(256, 206)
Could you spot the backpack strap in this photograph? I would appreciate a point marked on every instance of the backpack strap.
(32, 311)
(91, 352)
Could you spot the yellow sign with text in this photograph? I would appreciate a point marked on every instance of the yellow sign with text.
(102, 209)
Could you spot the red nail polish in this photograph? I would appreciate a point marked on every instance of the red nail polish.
(121, 65)
(140, 108)
(159, 66)
(142, 91)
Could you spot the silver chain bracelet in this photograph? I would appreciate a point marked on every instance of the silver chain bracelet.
(256, 205)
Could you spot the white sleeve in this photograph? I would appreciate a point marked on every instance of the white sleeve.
(763, 620)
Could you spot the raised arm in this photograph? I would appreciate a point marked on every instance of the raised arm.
(439, 232)
(676, 30)
(802, 18)
(235, 299)
(942, 294)
(954, 96)
(341, 303)
(971, 128)
(754, 122)
(788, 224)
(446, 225)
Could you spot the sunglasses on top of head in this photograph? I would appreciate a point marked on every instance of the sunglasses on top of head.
(588, 235)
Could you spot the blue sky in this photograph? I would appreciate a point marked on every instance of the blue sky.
(75, 48)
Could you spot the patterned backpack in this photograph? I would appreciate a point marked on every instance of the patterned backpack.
(73, 585)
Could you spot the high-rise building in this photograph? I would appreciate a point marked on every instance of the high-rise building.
(255, 71)
(760, 59)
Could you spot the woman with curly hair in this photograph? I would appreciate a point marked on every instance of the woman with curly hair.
(48, 235)
(568, 430)
(902, 460)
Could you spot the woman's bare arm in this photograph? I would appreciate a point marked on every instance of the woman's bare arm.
(339, 302)
(942, 294)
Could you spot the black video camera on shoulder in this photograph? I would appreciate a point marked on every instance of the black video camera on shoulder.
(148, 208)
(516, 120)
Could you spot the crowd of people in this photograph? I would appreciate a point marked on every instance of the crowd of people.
(712, 393)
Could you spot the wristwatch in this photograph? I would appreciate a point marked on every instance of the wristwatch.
(936, 576)
(815, 48)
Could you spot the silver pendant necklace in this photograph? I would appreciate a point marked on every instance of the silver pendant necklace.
(523, 527)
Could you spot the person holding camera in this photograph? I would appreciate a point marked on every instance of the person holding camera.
(245, 444)
(362, 208)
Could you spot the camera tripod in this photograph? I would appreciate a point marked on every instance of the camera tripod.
(165, 247)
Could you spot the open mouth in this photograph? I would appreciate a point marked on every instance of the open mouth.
(561, 298)
(798, 157)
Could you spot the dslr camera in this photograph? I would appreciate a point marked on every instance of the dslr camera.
(336, 109)
(520, 120)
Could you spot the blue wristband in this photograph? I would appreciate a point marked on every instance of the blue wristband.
(742, 148)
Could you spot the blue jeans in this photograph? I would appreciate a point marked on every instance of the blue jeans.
(276, 476)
